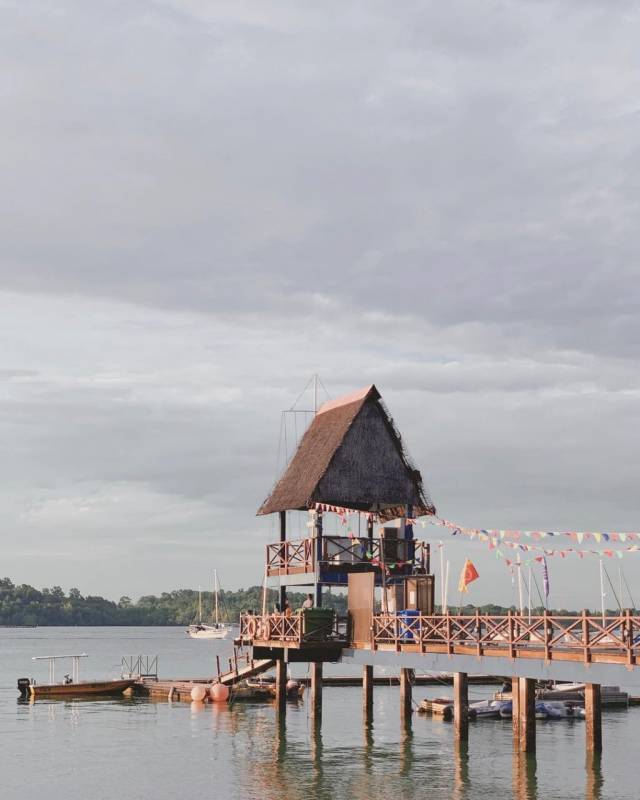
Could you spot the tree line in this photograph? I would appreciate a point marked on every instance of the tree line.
(24, 605)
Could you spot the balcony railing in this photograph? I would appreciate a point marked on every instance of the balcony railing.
(340, 552)
(296, 629)
(615, 639)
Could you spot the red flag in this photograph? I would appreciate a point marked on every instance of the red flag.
(469, 573)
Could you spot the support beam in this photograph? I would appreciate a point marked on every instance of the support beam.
(281, 686)
(405, 695)
(461, 706)
(515, 711)
(593, 717)
(527, 715)
(367, 692)
(283, 539)
(316, 690)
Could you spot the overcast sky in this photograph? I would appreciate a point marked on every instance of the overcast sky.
(204, 203)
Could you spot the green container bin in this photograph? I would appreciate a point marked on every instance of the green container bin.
(317, 623)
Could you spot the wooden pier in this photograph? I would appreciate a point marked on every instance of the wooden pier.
(352, 460)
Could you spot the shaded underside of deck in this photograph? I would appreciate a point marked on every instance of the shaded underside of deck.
(603, 668)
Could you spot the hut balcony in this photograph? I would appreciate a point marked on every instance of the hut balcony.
(316, 634)
(331, 559)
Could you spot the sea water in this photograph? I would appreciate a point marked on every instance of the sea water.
(149, 750)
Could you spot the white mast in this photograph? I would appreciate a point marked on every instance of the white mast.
(199, 605)
(519, 563)
(529, 592)
(215, 592)
(315, 394)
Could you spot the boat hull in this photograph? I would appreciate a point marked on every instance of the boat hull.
(81, 689)
(204, 632)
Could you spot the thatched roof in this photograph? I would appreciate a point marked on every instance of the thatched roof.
(351, 456)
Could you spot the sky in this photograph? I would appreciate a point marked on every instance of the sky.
(203, 204)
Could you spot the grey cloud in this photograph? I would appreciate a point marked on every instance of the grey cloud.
(202, 204)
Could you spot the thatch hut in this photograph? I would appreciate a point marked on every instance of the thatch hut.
(352, 456)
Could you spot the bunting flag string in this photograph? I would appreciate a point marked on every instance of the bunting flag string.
(514, 535)
(496, 540)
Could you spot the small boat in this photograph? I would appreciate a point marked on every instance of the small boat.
(439, 707)
(71, 685)
(485, 709)
(217, 630)
(257, 691)
(294, 691)
(80, 689)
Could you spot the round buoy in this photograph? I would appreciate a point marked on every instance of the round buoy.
(198, 693)
(219, 693)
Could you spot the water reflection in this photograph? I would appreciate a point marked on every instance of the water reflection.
(594, 783)
(406, 750)
(525, 782)
(461, 770)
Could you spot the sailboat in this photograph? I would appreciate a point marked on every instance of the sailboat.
(201, 630)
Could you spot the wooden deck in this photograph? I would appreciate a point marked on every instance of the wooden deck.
(180, 688)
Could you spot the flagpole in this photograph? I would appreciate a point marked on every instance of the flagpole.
(602, 591)
(441, 577)
(446, 588)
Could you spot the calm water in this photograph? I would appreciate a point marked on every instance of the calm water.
(142, 750)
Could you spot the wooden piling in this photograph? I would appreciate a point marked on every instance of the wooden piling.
(461, 706)
(515, 711)
(527, 715)
(316, 690)
(367, 691)
(405, 696)
(593, 717)
(281, 686)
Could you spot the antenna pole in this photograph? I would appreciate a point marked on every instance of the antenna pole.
(315, 394)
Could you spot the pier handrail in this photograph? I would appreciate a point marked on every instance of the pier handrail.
(585, 637)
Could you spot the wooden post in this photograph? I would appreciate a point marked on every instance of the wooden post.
(283, 539)
(316, 667)
(367, 692)
(405, 696)
(319, 556)
(527, 714)
(461, 705)
(515, 711)
(316, 690)
(281, 686)
(593, 717)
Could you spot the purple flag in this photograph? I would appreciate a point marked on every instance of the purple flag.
(545, 577)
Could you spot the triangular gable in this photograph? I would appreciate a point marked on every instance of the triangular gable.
(351, 456)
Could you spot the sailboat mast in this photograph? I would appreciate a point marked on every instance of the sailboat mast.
(199, 605)
(315, 394)
(215, 591)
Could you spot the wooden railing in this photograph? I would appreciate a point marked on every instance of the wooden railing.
(292, 629)
(290, 557)
(614, 639)
(296, 556)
